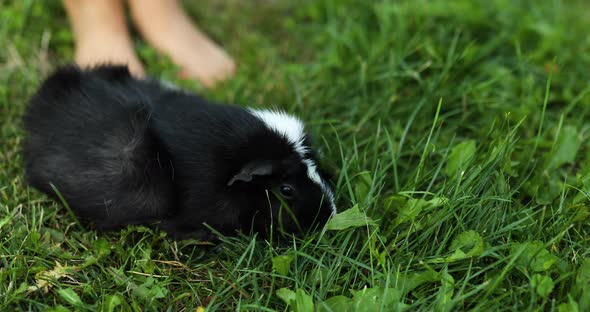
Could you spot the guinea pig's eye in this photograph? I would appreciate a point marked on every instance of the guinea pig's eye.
(287, 191)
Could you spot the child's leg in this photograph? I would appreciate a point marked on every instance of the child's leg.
(101, 34)
(167, 27)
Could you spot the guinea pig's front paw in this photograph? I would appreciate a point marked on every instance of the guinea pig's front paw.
(180, 231)
(201, 235)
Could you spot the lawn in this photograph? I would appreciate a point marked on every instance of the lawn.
(457, 131)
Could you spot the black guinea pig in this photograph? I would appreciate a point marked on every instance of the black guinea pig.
(123, 151)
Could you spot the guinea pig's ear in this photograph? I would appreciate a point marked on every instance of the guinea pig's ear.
(249, 171)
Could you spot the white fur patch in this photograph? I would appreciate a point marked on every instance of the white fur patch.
(292, 129)
(168, 85)
(286, 125)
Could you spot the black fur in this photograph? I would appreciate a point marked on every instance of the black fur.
(127, 151)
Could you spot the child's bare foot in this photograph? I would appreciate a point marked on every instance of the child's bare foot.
(101, 34)
(167, 27)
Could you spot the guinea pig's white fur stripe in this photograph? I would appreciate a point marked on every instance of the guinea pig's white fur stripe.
(286, 125)
(292, 129)
(315, 177)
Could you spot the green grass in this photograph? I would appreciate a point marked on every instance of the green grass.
(460, 128)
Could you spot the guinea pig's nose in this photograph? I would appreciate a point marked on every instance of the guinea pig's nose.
(325, 213)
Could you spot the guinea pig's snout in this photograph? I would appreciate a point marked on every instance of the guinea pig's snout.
(324, 213)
